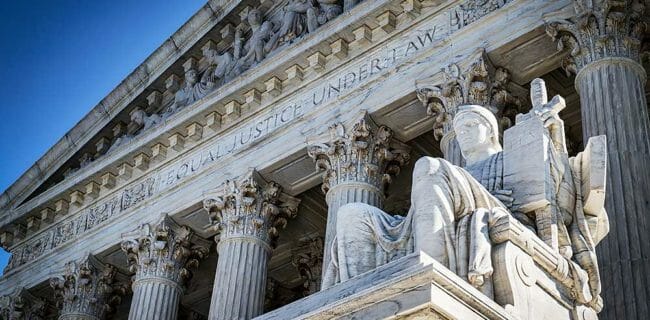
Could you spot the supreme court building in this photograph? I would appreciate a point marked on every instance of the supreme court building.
(276, 159)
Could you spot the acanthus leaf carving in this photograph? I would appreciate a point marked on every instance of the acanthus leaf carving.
(598, 29)
(478, 83)
(366, 153)
(250, 207)
(164, 250)
(88, 287)
(22, 305)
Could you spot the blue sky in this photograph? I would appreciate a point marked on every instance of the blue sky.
(58, 59)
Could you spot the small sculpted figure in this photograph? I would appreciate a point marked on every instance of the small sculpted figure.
(262, 41)
(140, 122)
(452, 209)
(192, 89)
(221, 67)
(305, 16)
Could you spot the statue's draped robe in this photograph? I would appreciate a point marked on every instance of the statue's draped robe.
(451, 208)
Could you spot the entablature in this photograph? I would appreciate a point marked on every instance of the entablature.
(301, 62)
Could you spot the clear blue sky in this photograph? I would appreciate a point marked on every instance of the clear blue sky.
(58, 59)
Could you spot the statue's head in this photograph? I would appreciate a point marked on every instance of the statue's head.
(190, 76)
(477, 130)
(255, 17)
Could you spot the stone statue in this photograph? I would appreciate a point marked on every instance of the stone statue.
(262, 41)
(192, 89)
(221, 66)
(140, 122)
(305, 16)
(349, 4)
(452, 209)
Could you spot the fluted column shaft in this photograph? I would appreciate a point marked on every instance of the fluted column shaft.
(155, 299)
(240, 280)
(613, 103)
(358, 163)
(247, 214)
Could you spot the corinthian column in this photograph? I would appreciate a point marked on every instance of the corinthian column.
(473, 81)
(358, 165)
(87, 290)
(161, 256)
(603, 40)
(22, 305)
(247, 215)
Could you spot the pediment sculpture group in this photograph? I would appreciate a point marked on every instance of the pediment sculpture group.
(453, 208)
(254, 40)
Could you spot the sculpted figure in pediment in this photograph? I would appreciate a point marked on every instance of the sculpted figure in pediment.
(452, 208)
(193, 89)
(305, 16)
(261, 42)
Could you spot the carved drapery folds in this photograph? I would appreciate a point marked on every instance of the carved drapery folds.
(22, 305)
(358, 164)
(250, 207)
(597, 30)
(165, 250)
(88, 289)
(367, 153)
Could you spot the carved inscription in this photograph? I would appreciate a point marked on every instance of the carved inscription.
(88, 219)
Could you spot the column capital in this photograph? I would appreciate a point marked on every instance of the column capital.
(363, 153)
(22, 305)
(472, 81)
(595, 30)
(88, 287)
(250, 207)
(164, 251)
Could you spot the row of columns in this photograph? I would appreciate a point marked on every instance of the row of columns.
(358, 162)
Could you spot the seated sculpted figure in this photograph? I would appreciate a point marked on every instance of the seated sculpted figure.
(452, 209)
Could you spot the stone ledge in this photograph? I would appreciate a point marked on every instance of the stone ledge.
(413, 285)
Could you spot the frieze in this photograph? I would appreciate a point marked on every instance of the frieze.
(376, 62)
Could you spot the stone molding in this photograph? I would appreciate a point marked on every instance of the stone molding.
(366, 153)
(250, 208)
(598, 29)
(164, 251)
(22, 305)
(88, 287)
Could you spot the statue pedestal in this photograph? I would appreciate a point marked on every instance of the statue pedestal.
(414, 286)
(531, 281)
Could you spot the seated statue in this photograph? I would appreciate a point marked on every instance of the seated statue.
(452, 209)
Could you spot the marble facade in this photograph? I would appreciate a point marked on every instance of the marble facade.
(232, 174)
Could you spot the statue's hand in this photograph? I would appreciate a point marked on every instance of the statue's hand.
(505, 196)
(551, 119)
